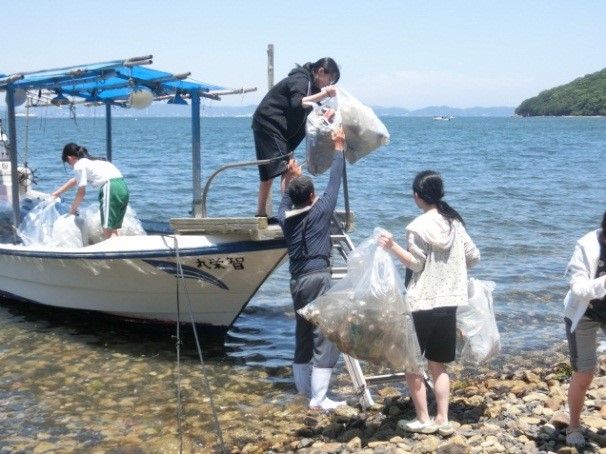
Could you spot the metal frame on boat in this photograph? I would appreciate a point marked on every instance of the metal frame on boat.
(220, 263)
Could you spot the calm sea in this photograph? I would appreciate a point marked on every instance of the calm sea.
(527, 189)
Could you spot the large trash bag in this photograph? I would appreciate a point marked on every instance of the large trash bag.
(364, 132)
(365, 314)
(478, 338)
(45, 225)
(93, 232)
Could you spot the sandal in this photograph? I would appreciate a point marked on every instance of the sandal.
(575, 438)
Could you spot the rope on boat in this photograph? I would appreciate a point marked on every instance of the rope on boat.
(181, 278)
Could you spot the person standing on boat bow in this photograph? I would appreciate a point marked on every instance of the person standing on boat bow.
(102, 174)
(305, 220)
(279, 120)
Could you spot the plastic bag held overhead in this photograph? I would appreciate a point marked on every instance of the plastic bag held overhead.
(321, 122)
(364, 132)
(365, 314)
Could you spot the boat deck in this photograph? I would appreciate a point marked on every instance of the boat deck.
(256, 228)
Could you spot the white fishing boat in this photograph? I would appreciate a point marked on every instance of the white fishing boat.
(196, 269)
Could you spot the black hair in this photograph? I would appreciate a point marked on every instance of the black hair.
(603, 234)
(430, 188)
(300, 190)
(72, 149)
(330, 67)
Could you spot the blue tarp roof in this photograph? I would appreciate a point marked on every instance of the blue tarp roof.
(111, 82)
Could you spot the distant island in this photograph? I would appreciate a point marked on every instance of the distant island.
(585, 96)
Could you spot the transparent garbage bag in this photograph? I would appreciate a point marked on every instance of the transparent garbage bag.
(365, 314)
(93, 232)
(319, 147)
(478, 338)
(50, 224)
(364, 132)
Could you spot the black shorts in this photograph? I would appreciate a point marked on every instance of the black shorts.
(437, 333)
(268, 146)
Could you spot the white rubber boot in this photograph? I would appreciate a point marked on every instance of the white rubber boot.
(320, 379)
(302, 375)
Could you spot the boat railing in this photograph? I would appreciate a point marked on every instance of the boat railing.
(346, 218)
(233, 165)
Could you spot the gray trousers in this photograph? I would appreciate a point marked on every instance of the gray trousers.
(310, 343)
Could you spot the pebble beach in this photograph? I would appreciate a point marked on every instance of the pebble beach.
(162, 406)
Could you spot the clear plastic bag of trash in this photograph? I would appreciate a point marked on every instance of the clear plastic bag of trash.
(478, 338)
(50, 224)
(93, 232)
(364, 132)
(365, 314)
(319, 147)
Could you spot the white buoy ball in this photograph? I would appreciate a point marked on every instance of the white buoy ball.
(140, 98)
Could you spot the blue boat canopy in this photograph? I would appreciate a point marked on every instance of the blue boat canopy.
(124, 83)
(112, 82)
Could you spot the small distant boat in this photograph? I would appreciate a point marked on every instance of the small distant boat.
(443, 117)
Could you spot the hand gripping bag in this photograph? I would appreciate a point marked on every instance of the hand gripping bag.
(44, 225)
(319, 148)
(365, 314)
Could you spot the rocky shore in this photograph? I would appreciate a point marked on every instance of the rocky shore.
(518, 409)
(60, 396)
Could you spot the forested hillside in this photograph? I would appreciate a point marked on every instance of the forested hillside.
(585, 96)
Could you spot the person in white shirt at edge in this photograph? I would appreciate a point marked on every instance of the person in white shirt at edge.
(439, 253)
(102, 174)
(584, 314)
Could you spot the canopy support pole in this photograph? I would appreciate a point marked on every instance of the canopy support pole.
(12, 134)
(196, 160)
(108, 131)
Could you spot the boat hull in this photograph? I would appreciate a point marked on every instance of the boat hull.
(160, 278)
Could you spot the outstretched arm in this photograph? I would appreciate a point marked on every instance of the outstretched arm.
(291, 173)
(68, 185)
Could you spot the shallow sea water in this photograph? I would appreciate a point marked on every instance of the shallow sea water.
(76, 382)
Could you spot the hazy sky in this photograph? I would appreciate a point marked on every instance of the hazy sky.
(401, 53)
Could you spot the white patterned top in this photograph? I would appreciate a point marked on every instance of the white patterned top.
(442, 254)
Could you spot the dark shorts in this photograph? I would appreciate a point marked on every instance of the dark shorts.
(437, 333)
(269, 146)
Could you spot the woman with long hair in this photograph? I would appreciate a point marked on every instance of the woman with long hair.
(279, 120)
(438, 255)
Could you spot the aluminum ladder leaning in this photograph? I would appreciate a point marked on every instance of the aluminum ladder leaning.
(343, 245)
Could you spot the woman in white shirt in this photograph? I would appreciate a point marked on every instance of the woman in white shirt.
(584, 315)
(99, 173)
(439, 253)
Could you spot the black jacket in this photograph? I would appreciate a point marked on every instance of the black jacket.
(281, 112)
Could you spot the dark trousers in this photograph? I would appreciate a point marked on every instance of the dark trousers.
(309, 340)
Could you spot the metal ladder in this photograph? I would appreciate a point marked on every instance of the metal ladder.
(343, 245)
